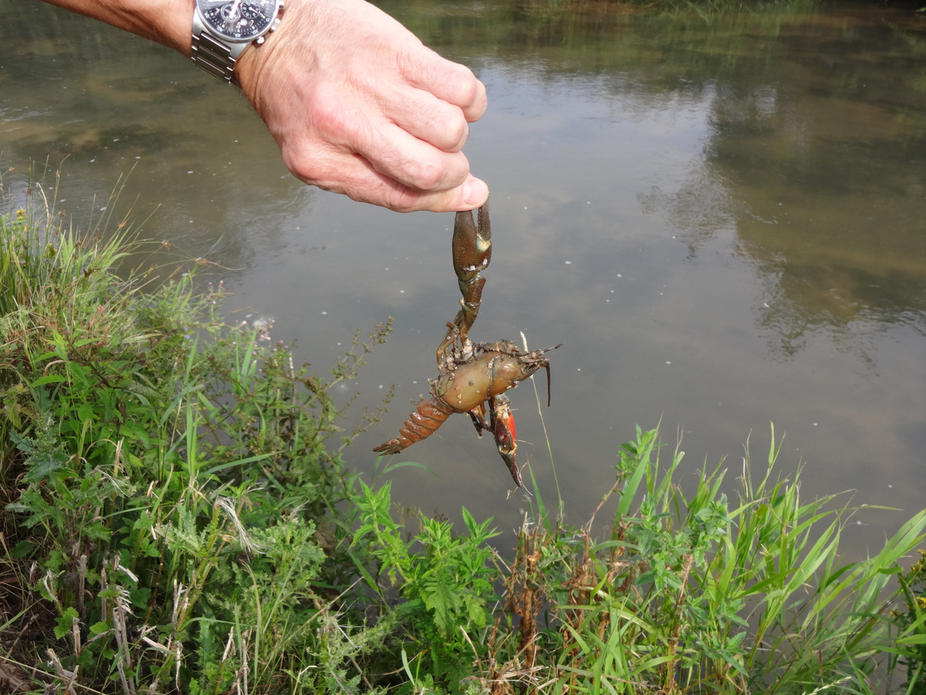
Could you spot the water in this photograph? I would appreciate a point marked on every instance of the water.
(724, 222)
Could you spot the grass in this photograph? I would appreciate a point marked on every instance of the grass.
(176, 517)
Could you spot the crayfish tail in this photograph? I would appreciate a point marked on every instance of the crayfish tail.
(421, 424)
(393, 446)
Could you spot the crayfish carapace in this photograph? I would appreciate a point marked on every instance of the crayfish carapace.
(472, 377)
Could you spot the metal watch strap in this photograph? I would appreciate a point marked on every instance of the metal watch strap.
(218, 54)
(213, 57)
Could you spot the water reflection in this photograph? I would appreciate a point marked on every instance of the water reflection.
(826, 201)
(814, 209)
(724, 221)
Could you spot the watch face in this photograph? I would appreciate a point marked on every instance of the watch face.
(238, 20)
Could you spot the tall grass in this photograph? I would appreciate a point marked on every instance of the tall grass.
(176, 518)
(688, 593)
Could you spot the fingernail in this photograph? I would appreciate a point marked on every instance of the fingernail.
(475, 192)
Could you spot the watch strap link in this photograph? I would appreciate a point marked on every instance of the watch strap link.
(213, 57)
(218, 55)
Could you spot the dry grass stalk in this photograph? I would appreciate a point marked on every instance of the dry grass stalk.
(671, 684)
(524, 592)
(67, 678)
(120, 613)
(9, 678)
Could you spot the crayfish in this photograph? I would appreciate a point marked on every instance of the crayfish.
(472, 377)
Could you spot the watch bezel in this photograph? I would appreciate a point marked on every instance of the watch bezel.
(244, 40)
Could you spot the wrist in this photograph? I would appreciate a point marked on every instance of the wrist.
(171, 22)
(253, 61)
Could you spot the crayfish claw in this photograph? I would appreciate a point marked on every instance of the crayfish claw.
(503, 427)
(513, 469)
(472, 252)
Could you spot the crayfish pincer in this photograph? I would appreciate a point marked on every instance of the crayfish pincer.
(472, 377)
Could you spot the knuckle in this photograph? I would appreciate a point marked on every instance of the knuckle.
(468, 87)
(426, 172)
(308, 163)
(401, 200)
(457, 131)
(469, 91)
(328, 116)
(332, 114)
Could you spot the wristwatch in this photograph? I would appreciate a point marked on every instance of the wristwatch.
(222, 29)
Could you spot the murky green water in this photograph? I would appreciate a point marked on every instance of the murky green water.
(724, 222)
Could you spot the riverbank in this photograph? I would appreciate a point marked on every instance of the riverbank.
(177, 518)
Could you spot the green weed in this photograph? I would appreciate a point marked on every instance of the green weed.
(164, 479)
(692, 593)
(910, 646)
(445, 582)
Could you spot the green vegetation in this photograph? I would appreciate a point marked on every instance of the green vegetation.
(176, 517)
(911, 622)
(165, 484)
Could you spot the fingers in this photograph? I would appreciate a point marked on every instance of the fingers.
(384, 164)
(428, 118)
(405, 163)
(468, 196)
(339, 171)
(432, 98)
(412, 162)
(345, 122)
(453, 83)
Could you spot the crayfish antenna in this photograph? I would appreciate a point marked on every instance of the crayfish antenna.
(547, 366)
(549, 395)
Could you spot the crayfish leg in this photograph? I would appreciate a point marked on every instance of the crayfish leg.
(480, 421)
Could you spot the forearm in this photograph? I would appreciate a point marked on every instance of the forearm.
(168, 22)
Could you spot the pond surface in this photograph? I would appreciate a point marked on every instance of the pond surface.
(723, 221)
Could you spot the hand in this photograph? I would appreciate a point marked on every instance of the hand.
(358, 105)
